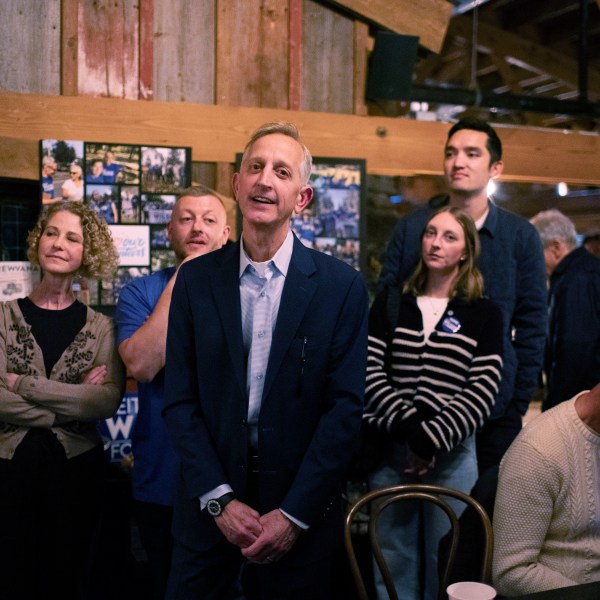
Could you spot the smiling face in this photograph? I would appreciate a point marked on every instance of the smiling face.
(467, 168)
(60, 249)
(198, 225)
(97, 167)
(75, 172)
(443, 244)
(269, 187)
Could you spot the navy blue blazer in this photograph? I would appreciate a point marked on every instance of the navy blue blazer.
(312, 401)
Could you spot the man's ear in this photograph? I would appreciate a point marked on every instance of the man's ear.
(235, 181)
(558, 249)
(496, 169)
(304, 199)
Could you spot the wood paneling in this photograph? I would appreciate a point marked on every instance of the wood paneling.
(363, 44)
(146, 85)
(296, 23)
(69, 47)
(252, 53)
(216, 133)
(328, 50)
(108, 53)
(184, 50)
(427, 19)
(30, 45)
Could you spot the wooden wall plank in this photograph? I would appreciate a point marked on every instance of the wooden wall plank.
(328, 53)
(108, 53)
(252, 53)
(216, 133)
(427, 19)
(69, 46)
(295, 92)
(30, 45)
(146, 86)
(184, 50)
(363, 45)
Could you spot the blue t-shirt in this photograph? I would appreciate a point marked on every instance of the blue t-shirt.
(156, 464)
(48, 186)
(92, 179)
(110, 172)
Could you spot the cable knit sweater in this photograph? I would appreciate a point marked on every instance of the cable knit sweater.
(60, 403)
(547, 512)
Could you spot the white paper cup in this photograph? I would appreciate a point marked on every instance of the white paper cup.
(470, 590)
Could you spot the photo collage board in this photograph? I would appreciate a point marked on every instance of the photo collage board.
(134, 187)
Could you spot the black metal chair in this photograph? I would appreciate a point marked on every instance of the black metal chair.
(375, 503)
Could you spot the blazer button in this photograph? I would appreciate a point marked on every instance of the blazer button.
(243, 422)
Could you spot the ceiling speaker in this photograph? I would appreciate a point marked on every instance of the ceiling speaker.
(391, 66)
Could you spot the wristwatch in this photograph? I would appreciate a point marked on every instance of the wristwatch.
(215, 506)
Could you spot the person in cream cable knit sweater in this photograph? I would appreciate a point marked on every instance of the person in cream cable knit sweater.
(547, 512)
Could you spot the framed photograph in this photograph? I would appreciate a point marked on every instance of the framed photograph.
(112, 163)
(61, 170)
(165, 170)
(17, 279)
(334, 222)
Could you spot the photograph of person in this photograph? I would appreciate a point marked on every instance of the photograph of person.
(57, 159)
(112, 163)
(164, 170)
(72, 188)
(156, 210)
(130, 204)
(102, 199)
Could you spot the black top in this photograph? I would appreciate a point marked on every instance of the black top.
(53, 330)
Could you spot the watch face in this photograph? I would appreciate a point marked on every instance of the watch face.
(214, 508)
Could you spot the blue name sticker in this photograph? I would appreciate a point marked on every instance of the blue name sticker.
(451, 325)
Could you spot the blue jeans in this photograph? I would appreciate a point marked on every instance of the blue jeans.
(410, 531)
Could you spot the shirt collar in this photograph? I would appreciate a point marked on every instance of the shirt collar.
(491, 221)
(281, 260)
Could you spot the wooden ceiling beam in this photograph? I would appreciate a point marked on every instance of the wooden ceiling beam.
(427, 19)
(216, 133)
(540, 58)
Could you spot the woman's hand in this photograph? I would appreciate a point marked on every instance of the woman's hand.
(96, 375)
(11, 379)
(417, 465)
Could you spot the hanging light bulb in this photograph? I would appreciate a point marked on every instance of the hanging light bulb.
(491, 187)
(563, 189)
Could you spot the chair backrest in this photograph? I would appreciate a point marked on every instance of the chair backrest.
(377, 501)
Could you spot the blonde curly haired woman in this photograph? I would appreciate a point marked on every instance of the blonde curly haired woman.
(59, 374)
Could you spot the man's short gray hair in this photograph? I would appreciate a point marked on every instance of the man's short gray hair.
(283, 128)
(553, 226)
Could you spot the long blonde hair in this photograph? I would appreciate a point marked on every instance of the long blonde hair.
(468, 282)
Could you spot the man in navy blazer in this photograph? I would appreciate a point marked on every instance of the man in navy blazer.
(265, 371)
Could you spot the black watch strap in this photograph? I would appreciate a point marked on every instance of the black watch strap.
(215, 506)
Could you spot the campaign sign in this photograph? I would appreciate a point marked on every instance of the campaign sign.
(116, 431)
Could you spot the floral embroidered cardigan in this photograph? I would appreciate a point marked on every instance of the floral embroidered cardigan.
(60, 403)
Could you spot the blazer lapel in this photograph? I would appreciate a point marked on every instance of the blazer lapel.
(298, 291)
(227, 295)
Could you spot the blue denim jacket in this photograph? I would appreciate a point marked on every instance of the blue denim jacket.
(512, 264)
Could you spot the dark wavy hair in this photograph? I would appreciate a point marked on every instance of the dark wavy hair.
(493, 143)
(468, 283)
(100, 257)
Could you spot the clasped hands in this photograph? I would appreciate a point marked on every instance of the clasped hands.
(263, 539)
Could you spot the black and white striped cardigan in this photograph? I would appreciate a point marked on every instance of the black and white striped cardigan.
(435, 393)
